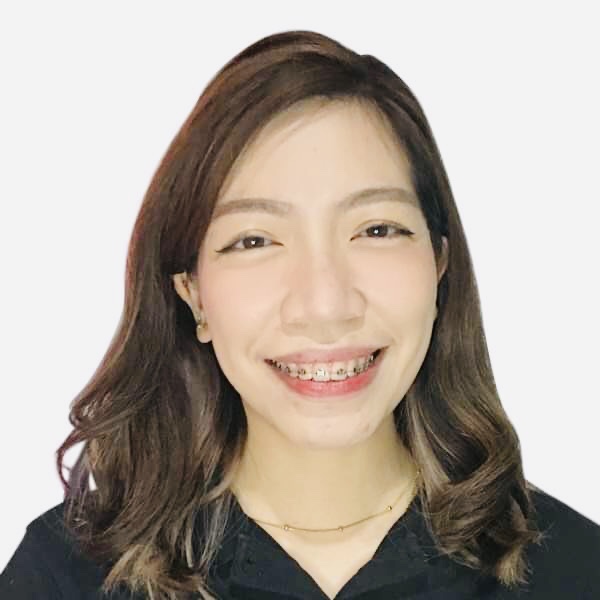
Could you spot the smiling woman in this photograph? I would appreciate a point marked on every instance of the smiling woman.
(299, 402)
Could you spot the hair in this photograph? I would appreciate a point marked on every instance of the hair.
(163, 428)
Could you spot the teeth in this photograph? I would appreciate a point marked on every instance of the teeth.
(336, 371)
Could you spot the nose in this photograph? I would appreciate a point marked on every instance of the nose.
(323, 301)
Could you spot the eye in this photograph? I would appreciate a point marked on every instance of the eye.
(384, 228)
(254, 241)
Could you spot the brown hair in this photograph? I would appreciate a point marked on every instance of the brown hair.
(162, 427)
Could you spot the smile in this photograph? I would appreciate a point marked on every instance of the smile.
(333, 371)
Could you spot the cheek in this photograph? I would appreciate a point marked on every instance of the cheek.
(407, 281)
(231, 301)
(236, 303)
(235, 297)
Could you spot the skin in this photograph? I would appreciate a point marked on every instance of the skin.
(321, 283)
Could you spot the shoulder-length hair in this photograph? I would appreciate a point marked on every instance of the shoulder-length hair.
(162, 427)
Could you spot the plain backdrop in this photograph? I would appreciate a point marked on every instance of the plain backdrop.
(93, 92)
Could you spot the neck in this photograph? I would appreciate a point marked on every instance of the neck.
(280, 482)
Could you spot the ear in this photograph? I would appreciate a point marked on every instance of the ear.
(186, 290)
(181, 287)
(443, 260)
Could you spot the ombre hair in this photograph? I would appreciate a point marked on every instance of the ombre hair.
(162, 428)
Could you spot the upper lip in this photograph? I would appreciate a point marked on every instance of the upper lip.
(331, 355)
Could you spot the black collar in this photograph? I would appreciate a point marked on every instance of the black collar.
(404, 557)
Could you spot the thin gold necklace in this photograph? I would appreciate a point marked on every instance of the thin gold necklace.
(387, 509)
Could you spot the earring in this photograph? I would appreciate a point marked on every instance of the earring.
(200, 324)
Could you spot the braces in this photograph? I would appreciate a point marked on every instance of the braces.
(320, 372)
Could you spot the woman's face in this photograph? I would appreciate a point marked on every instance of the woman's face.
(316, 275)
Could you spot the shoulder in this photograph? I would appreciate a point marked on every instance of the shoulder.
(47, 563)
(558, 520)
(566, 561)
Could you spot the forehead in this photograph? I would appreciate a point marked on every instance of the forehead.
(319, 149)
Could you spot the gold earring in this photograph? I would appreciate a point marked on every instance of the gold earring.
(200, 324)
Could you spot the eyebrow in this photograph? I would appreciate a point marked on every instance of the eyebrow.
(279, 208)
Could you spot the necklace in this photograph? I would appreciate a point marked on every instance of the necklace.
(387, 509)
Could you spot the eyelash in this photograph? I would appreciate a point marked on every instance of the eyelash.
(401, 231)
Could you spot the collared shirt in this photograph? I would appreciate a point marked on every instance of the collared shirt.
(251, 565)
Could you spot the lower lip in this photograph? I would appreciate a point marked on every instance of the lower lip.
(321, 389)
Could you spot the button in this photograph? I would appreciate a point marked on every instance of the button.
(411, 553)
(248, 565)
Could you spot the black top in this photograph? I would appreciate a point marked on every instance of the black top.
(251, 565)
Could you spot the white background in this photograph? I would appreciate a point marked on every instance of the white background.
(92, 93)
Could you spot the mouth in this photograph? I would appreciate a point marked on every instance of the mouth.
(333, 371)
(329, 382)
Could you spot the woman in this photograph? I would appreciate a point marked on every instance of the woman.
(299, 401)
